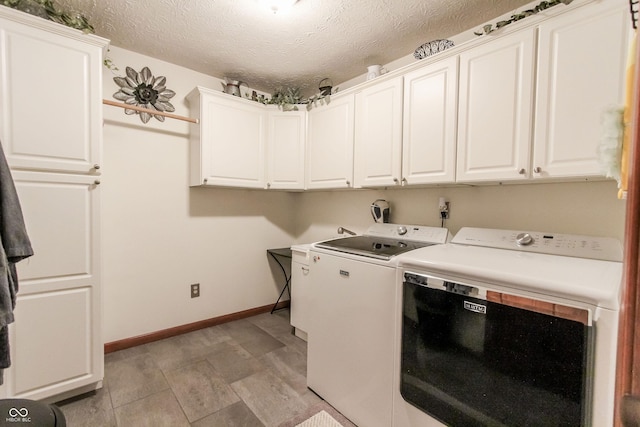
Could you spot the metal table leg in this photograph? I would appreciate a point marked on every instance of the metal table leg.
(287, 278)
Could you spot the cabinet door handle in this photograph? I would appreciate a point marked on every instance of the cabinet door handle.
(348, 183)
(522, 171)
(395, 180)
(96, 182)
(404, 181)
(538, 169)
(268, 185)
(96, 166)
(305, 270)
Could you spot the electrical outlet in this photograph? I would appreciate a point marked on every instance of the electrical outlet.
(444, 211)
(195, 290)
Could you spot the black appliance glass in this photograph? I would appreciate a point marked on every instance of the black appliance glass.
(373, 247)
(471, 362)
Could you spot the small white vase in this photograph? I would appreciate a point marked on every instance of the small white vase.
(374, 71)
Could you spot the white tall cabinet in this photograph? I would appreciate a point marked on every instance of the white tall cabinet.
(51, 131)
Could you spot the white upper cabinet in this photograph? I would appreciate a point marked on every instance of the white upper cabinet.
(495, 110)
(378, 135)
(520, 104)
(330, 144)
(50, 88)
(228, 146)
(429, 136)
(581, 66)
(285, 149)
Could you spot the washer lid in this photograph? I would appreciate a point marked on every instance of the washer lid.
(371, 246)
(384, 241)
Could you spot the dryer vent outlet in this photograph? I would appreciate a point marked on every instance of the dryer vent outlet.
(195, 290)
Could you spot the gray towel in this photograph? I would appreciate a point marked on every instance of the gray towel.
(14, 246)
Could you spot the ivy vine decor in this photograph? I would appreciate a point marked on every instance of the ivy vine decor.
(288, 99)
(543, 5)
(47, 10)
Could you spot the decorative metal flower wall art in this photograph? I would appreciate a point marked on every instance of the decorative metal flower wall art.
(143, 90)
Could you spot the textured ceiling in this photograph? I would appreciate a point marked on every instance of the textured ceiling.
(313, 40)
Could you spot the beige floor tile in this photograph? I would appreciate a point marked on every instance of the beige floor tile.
(236, 415)
(244, 330)
(200, 390)
(233, 362)
(249, 373)
(157, 410)
(275, 324)
(134, 378)
(271, 399)
(182, 350)
(289, 365)
(93, 410)
(261, 344)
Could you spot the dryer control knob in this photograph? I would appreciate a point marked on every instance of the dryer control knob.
(524, 239)
(402, 230)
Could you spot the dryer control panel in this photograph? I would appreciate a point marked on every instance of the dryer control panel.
(590, 247)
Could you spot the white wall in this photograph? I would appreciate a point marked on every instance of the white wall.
(159, 236)
(589, 208)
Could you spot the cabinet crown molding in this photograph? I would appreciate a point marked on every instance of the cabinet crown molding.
(52, 27)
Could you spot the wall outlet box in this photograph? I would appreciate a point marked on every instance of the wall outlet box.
(195, 290)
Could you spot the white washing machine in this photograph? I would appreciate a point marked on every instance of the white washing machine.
(351, 327)
(507, 328)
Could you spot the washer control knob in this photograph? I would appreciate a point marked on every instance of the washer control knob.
(402, 230)
(524, 239)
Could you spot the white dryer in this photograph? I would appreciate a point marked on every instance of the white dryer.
(507, 328)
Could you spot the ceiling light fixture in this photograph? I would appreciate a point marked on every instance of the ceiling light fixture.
(278, 5)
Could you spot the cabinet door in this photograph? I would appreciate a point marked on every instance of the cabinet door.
(429, 137)
(285, 149)
(581, 64)
(378, 135)
(232, 138)
(496, 93)
(56, 339)
(330, 144)
(50, 99)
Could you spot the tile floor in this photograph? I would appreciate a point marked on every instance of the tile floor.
(250, 372)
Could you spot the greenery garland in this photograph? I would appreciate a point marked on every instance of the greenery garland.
(46, 9)
(288, 99)
(518, 16)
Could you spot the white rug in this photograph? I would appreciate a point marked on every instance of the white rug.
(321, 419)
